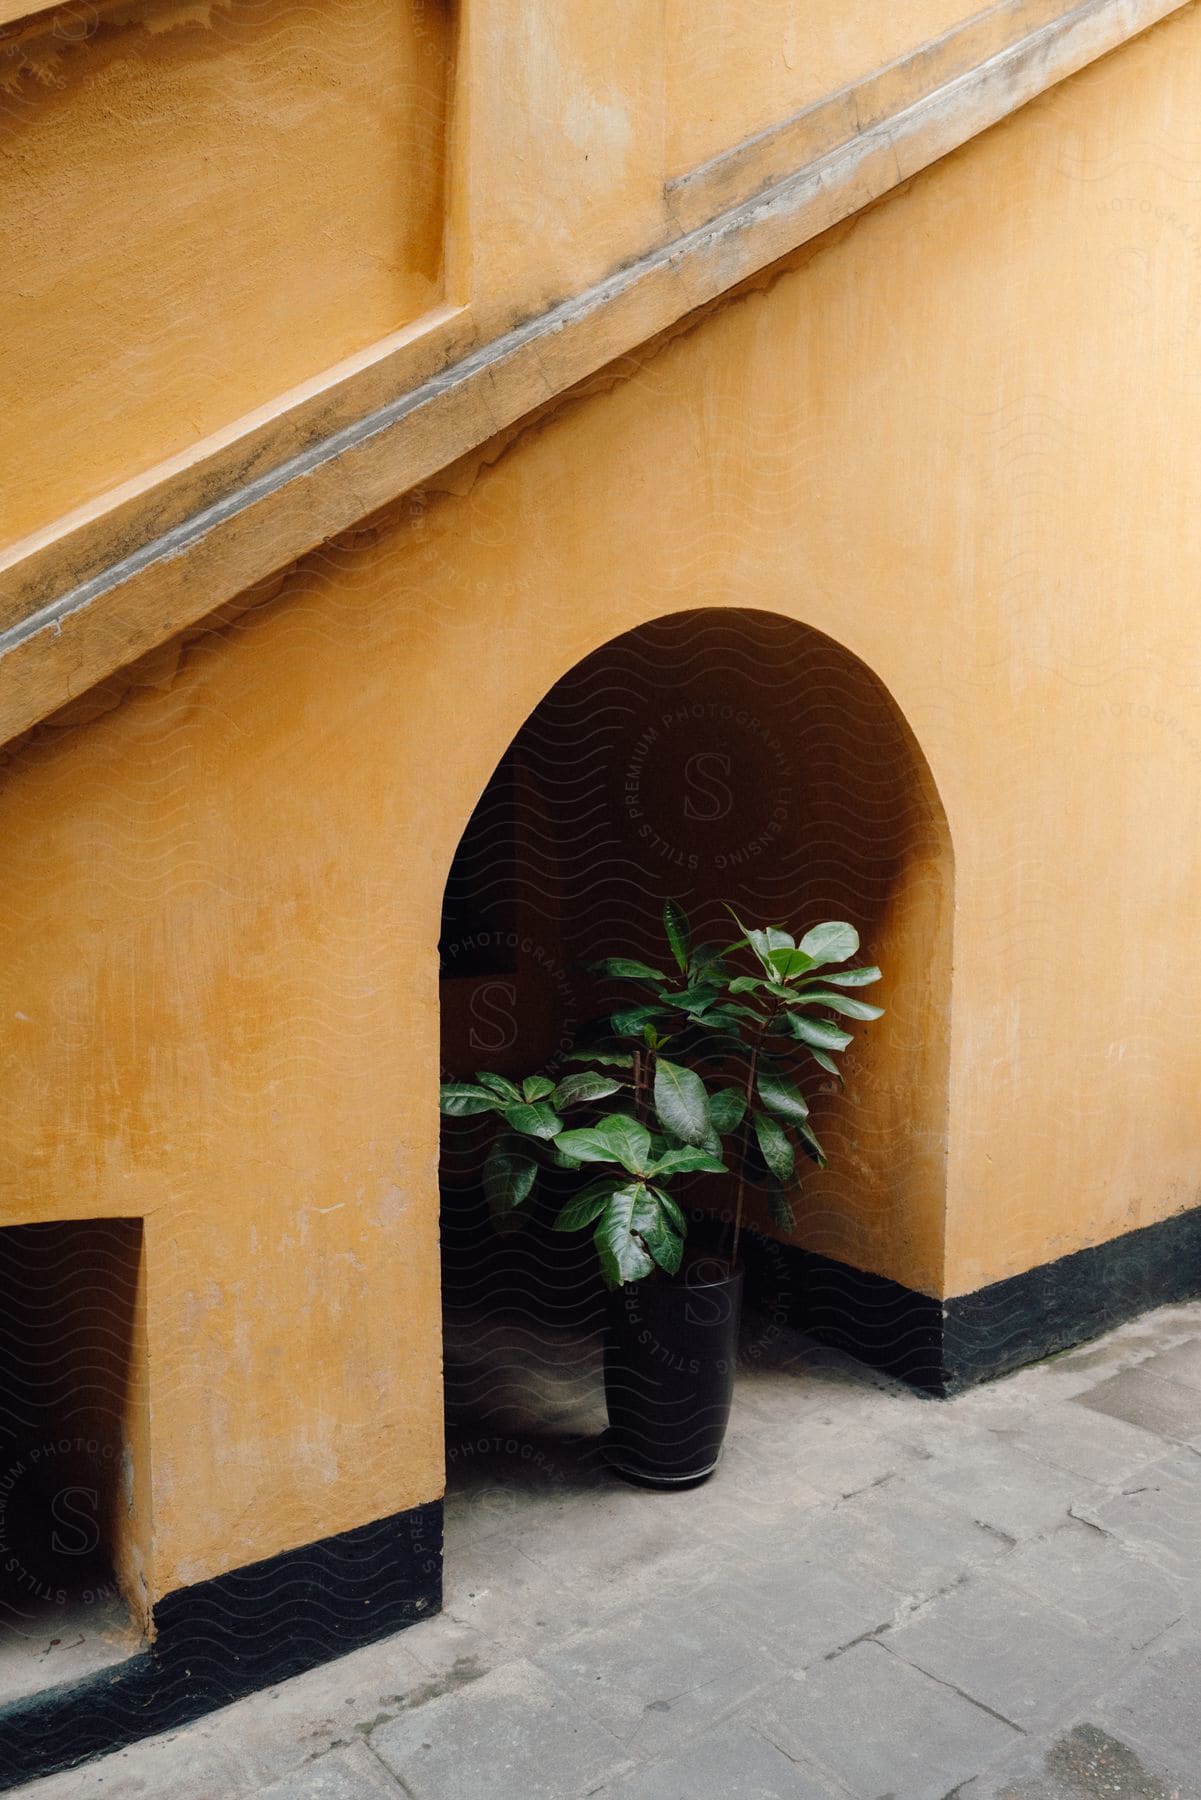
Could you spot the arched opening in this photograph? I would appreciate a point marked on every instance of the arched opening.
(712, 757)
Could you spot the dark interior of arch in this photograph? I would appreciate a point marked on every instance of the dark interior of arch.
(717, 757)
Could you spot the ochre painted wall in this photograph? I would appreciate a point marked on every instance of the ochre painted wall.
(959, 439)
(733, 71)
(204, 204)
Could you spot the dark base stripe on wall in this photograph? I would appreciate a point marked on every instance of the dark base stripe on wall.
(222, 1639)
(944, 1346)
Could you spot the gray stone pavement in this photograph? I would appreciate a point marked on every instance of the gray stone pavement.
(878, 1597)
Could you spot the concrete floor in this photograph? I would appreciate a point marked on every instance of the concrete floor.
(878, 1597)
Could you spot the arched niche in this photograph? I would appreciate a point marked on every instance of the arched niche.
(723, 756)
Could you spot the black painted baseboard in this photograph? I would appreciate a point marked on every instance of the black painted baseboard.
(943, 1346)
(224, 1638)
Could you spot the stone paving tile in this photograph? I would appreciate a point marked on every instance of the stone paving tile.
(742, 1507)
(1077, 1438)
(612, 1544)
(657, 1677)
(837, 1572)
(443, 1648)
(878, 1726)
(1170, 1408)
(913, 1540)
(1158, 1514)
(1006, 1649)
(1001, 1487)
(733, 1763)
(512, 1736)
(1156, 1705)
(1083, 1762)
(1080, 1570)
(1181, 1363)
(804, 1610)
(352, 1774)
(506, 1600)
(1134, 1345)
(835, 1459)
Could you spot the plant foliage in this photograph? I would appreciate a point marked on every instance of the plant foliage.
(695, 1073)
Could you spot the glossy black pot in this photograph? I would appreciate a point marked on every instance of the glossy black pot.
(670, 1352)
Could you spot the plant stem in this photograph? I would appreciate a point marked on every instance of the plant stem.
(742, 1160)
(746, 1134)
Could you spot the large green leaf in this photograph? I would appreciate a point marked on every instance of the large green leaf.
(726, 1109)
(585, 1206)
(508, 1177)
(537, 1087)
(629, 1142)
(608, 1059)
(729, 1012)
(819, 1033)
(500, 1084)
(534, 1121)
(831, 942)
(758, 941)
(759, 944)
(747, 984)
(674, 1215)
(779, 1209)
(687, 1161)
(616, 1138)
(622, 1256)
(574, 1090)
(853, 977)
(664, 1244)
(628, 1021)
(681, 1102)
(782, 1097)
(777, 1151)
(625, 968)
(846, 1004)
(679, 934)
(693, 999)
(459, 1099)
(810, 1145)
(828, 1064)
(706, 963)
(585, 1146)
(788, 964)
(667, 1248)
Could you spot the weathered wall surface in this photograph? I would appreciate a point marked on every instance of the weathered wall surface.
(238, 231)
(731, 74)
(206, 204)
(959, 439)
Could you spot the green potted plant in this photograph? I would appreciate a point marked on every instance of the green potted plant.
(694, 1075)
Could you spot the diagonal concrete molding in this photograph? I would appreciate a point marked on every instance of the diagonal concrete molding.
(85, 629)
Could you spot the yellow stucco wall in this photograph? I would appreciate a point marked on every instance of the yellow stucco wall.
(234, 229)
(957, 439)
(733, 72)
(204, 204)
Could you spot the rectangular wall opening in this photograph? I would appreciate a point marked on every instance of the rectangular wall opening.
(74, 1475)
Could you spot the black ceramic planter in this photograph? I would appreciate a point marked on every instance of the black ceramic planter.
(670, 1352)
